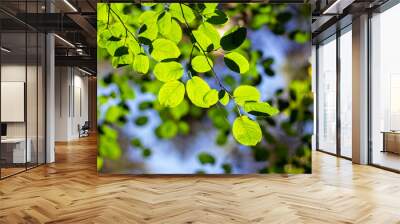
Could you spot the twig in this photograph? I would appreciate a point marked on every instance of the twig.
(205, 55)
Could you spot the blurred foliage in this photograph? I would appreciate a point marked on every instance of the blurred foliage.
(169, 50)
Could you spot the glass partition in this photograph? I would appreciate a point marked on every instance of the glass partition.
(22, 88)
(327, 95)
(14, 146)
(385, 89)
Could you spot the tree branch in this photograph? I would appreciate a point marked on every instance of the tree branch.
(205, 55)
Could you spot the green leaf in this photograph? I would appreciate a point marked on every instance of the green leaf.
(99, 163)
(141, 63)
(168, 71)
(175, 33)
(146, 152)
(102, 12)
(233, 38)
(204, 43)
(218, 17)
(223, 97)
(133, 46)
(211, 33)
(119, 61)
(183, 127)
(167, 130)
(149, 4)
(114, 113)
(171, 94)
(148, 31)
(209, 8)
(142, 120)
(179, 111)
(196, 89)
(176, 11)
(219, 119)
(221, 138)
(245, 93)
(206, 158)
(148, 16)
(136, 142)
(165, 23)
(227, 168)
(112, 44)
(260, 109)
(117, 30)
(211, 97)
(164, 49)
(236, 62)
(103, 37)
(246, 131)
(200, 64)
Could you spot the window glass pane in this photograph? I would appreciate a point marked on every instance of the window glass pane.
(385, 84)
(15, 150)
(346, 94)
(327, 96)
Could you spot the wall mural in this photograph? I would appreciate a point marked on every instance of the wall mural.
(204, 88)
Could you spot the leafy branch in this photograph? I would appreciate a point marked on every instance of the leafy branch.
(208, 62)
(161, 32)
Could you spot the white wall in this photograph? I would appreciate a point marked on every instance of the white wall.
(71, 102)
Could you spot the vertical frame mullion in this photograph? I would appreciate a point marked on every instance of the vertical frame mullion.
(369, 90)
(37, 90)
(26, 85)
(0, 92)
(338, 97)
(316, 101)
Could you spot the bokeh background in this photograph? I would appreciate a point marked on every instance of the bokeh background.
(138, 136)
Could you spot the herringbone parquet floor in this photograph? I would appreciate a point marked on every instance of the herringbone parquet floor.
(70, 191)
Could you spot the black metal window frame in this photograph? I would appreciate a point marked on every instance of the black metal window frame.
(333, 37)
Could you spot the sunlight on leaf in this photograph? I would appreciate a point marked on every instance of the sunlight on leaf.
(196, 89)
(176, 11)
(260, 109)
(223, 97)
(236, 62)
(200, 64)
(245, 93)
(164, 49)
(211, 97)
(171, 94)
(141, 63)
(246, 131)
(168, 71)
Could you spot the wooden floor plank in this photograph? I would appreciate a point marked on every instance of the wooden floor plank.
(70, 191)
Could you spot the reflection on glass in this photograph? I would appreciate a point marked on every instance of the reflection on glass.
(385, 86)
(22, 90)
(14, 153)
(327, 96)
(346, 94)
